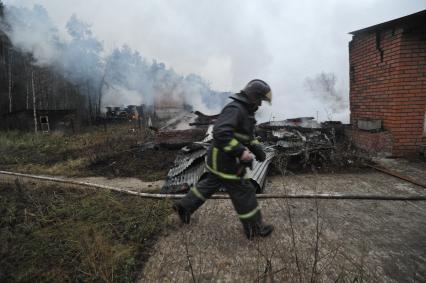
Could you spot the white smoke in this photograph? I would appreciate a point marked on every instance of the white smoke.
(229, 42)
(32, 31)
(324, 88)
(122, 76)
(127, 97)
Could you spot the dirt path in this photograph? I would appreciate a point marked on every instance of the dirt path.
(376, 241)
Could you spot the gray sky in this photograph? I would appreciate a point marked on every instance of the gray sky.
(229, 42)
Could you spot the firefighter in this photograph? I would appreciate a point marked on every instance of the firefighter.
(232, 150)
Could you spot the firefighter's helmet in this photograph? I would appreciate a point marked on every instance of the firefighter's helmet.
(256, 91)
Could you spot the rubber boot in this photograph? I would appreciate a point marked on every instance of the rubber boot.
(253, 230)
(249, 230)
(184, 215)
(264, 230)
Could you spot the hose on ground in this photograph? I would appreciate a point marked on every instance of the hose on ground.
(342, 196)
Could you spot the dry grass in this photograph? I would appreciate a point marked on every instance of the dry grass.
(94, 152)
(53, 234)
(27, 151)
(70, 168)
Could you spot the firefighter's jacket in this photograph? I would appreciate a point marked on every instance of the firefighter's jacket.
(232, 133)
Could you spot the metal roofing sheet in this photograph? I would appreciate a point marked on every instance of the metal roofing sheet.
(416, 19)
(184, 160)
(190, 168)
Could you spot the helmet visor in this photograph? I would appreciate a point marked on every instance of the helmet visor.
(268, 97)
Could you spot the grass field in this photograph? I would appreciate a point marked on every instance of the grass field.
(57, 234)
(116, 152)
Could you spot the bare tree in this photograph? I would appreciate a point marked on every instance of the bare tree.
(34, 101)
(10, 79)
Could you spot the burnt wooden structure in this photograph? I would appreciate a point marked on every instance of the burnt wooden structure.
(65, 120)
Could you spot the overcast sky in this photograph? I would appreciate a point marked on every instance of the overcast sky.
(229, 42)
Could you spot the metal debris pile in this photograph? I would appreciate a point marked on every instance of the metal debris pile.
(184, 129)
(131, 112)
(300, 141)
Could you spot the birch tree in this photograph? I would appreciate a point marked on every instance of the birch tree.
(9, 71)
(34, 101)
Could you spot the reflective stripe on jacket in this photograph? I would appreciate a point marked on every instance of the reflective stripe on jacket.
(232, 133)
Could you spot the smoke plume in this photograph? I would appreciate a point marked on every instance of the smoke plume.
(323, 86)
(228, 42)
(120, 77)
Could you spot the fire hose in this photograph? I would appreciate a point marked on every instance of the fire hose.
(341, 196)
(397, 175)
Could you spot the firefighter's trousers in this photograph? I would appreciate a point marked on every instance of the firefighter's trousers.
(241, 192)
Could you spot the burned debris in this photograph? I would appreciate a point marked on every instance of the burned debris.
(178, 138)
(301, 142)
(297, 143)
(131, 112)
(203, 119)
(184, 129)
(44, 120)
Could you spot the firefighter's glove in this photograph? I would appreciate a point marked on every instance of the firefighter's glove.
(258, 152)
(246, 156)
(245, 161)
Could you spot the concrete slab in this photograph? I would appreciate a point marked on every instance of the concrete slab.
(320, 241)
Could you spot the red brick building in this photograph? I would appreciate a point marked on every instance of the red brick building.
(388, 86)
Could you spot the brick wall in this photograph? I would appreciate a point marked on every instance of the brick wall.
(376, 143)
(388, 82)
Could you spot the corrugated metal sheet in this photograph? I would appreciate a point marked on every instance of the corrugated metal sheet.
(184, 181)
(258, 174)
(189, 168)
(209, 134)
(184, 160)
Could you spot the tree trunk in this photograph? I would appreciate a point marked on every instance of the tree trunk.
(101, 85)
(27, 97)
(90, 103)
(10, 80)
(65, 91)
(34, 102)
(27, 88)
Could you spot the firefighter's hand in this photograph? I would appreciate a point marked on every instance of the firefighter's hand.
(258, 151)
(246, 156)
